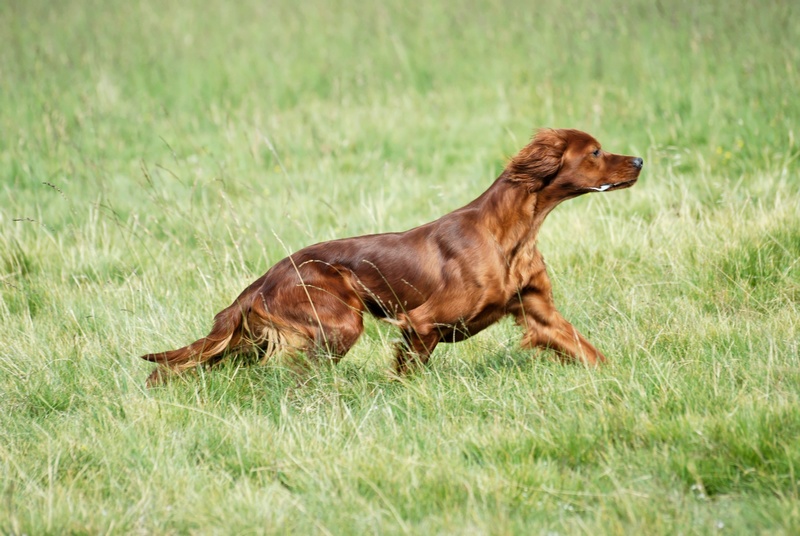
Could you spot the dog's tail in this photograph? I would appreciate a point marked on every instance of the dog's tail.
(225, 334)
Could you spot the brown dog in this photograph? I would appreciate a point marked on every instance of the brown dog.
(443, 281)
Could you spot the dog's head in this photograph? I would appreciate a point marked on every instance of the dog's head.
(568, 163)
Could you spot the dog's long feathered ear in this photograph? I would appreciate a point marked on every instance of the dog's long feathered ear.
(539, 160)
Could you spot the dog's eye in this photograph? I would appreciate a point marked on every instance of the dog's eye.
(596, 153)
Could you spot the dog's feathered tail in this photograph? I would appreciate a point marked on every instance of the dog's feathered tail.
(225, 334)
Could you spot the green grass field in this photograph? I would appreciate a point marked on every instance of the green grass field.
(156, 157)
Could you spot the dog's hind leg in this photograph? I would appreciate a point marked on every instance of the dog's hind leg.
(321, 324)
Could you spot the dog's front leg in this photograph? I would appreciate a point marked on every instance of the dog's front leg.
(420, 337)
(535, 311)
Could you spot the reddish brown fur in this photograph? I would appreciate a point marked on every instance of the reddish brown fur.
(443, 281)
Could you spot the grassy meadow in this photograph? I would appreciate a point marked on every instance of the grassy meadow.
(157, 157)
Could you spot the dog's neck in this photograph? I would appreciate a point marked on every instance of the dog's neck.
(546, 201)
(513, 214)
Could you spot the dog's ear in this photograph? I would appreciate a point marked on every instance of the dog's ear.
(538, 161)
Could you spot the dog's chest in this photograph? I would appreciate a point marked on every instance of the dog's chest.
(522, 266)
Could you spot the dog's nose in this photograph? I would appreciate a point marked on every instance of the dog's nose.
(638, 163)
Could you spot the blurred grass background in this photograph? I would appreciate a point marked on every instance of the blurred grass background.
(156, 157)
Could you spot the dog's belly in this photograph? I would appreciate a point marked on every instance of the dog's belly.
(465, 329)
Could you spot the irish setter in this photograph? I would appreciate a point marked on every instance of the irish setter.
(441, 282)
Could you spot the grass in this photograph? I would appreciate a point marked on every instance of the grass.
(156, 157)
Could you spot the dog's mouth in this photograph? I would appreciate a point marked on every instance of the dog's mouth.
(612, 186)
